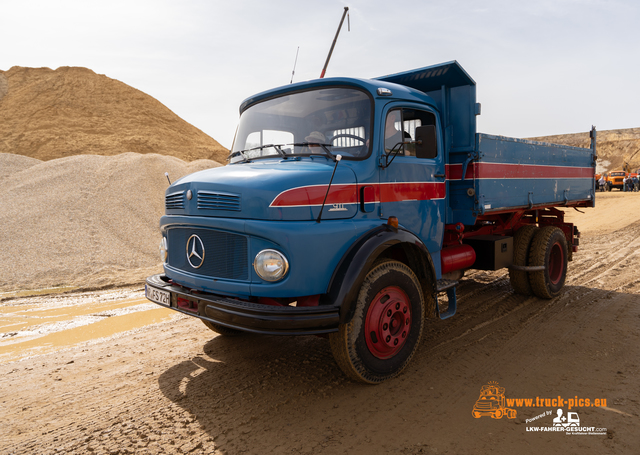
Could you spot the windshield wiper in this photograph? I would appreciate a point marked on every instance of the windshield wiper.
(279, 150)
(241, 153)
(274, 146)
(325, 150)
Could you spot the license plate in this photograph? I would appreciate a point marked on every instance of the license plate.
(157, 295)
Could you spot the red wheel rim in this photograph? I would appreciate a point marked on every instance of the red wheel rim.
(556, 263)
(388, 322)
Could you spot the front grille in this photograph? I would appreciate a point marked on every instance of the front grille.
(208, 200)
(174, 201)
(483, 405)
(225, 253)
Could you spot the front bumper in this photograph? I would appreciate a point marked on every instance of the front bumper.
(247, 316)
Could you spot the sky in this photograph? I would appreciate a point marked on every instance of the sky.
(541, 67)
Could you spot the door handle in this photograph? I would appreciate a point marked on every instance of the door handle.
(439, 175)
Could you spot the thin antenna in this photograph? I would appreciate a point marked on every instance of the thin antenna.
(294, 65)
(346, 10)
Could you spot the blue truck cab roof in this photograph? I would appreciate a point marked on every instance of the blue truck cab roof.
(398, 91)
(446, 87)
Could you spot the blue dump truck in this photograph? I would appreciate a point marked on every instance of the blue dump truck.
(351, 208)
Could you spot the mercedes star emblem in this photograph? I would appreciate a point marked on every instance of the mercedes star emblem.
(195, 251)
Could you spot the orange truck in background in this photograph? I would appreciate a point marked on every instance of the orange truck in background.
(615, 179)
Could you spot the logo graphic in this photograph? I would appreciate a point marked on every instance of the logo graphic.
(338, 208)
(195, 251)
(568, 424)
(572, 420)
(492, 402)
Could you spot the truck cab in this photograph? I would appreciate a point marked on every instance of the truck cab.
(616, 179)
(349, 205)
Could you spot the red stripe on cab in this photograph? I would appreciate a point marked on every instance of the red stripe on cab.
(347, 193)
(314, 195)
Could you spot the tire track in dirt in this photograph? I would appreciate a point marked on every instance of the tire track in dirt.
(602, 261)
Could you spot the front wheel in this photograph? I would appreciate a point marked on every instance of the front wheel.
(385, 331)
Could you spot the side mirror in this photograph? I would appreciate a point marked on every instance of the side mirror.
(426, 142)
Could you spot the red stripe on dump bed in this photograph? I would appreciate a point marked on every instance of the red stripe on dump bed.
(517, 171)
(305, 196)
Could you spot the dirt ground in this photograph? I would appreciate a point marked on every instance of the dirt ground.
(107, 373)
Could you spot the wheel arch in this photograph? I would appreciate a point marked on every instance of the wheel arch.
(383, 242)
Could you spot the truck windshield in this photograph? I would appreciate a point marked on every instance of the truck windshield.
(305, 123)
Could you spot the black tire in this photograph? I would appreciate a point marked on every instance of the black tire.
(548, 249)
(385, 331)
(521, 246)
(222, 330)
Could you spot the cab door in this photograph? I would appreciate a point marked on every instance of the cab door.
(412, 189)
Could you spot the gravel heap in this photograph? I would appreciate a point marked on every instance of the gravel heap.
(86, 220)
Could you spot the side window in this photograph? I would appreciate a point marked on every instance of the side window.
(393, 135)
(412, 119)
(401, 125)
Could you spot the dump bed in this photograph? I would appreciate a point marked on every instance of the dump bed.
(503, 174)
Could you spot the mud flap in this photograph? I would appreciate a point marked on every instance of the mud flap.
(450, 287)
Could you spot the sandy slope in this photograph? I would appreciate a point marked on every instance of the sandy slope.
(49, 114)
(614, 147)
(175, 387)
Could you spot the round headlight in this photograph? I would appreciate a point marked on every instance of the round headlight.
(271, 265)
(164, 251)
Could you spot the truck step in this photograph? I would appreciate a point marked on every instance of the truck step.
(450, 287)
(442, 284)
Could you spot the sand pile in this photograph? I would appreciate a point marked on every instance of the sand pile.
(47, 114)
(85, 220)
(614, 147)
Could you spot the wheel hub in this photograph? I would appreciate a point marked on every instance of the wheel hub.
(388, 322)
(556, 263)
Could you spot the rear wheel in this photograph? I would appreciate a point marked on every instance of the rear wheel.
(385, 331)
(222, 330)
(548, 249)
(521, 245)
